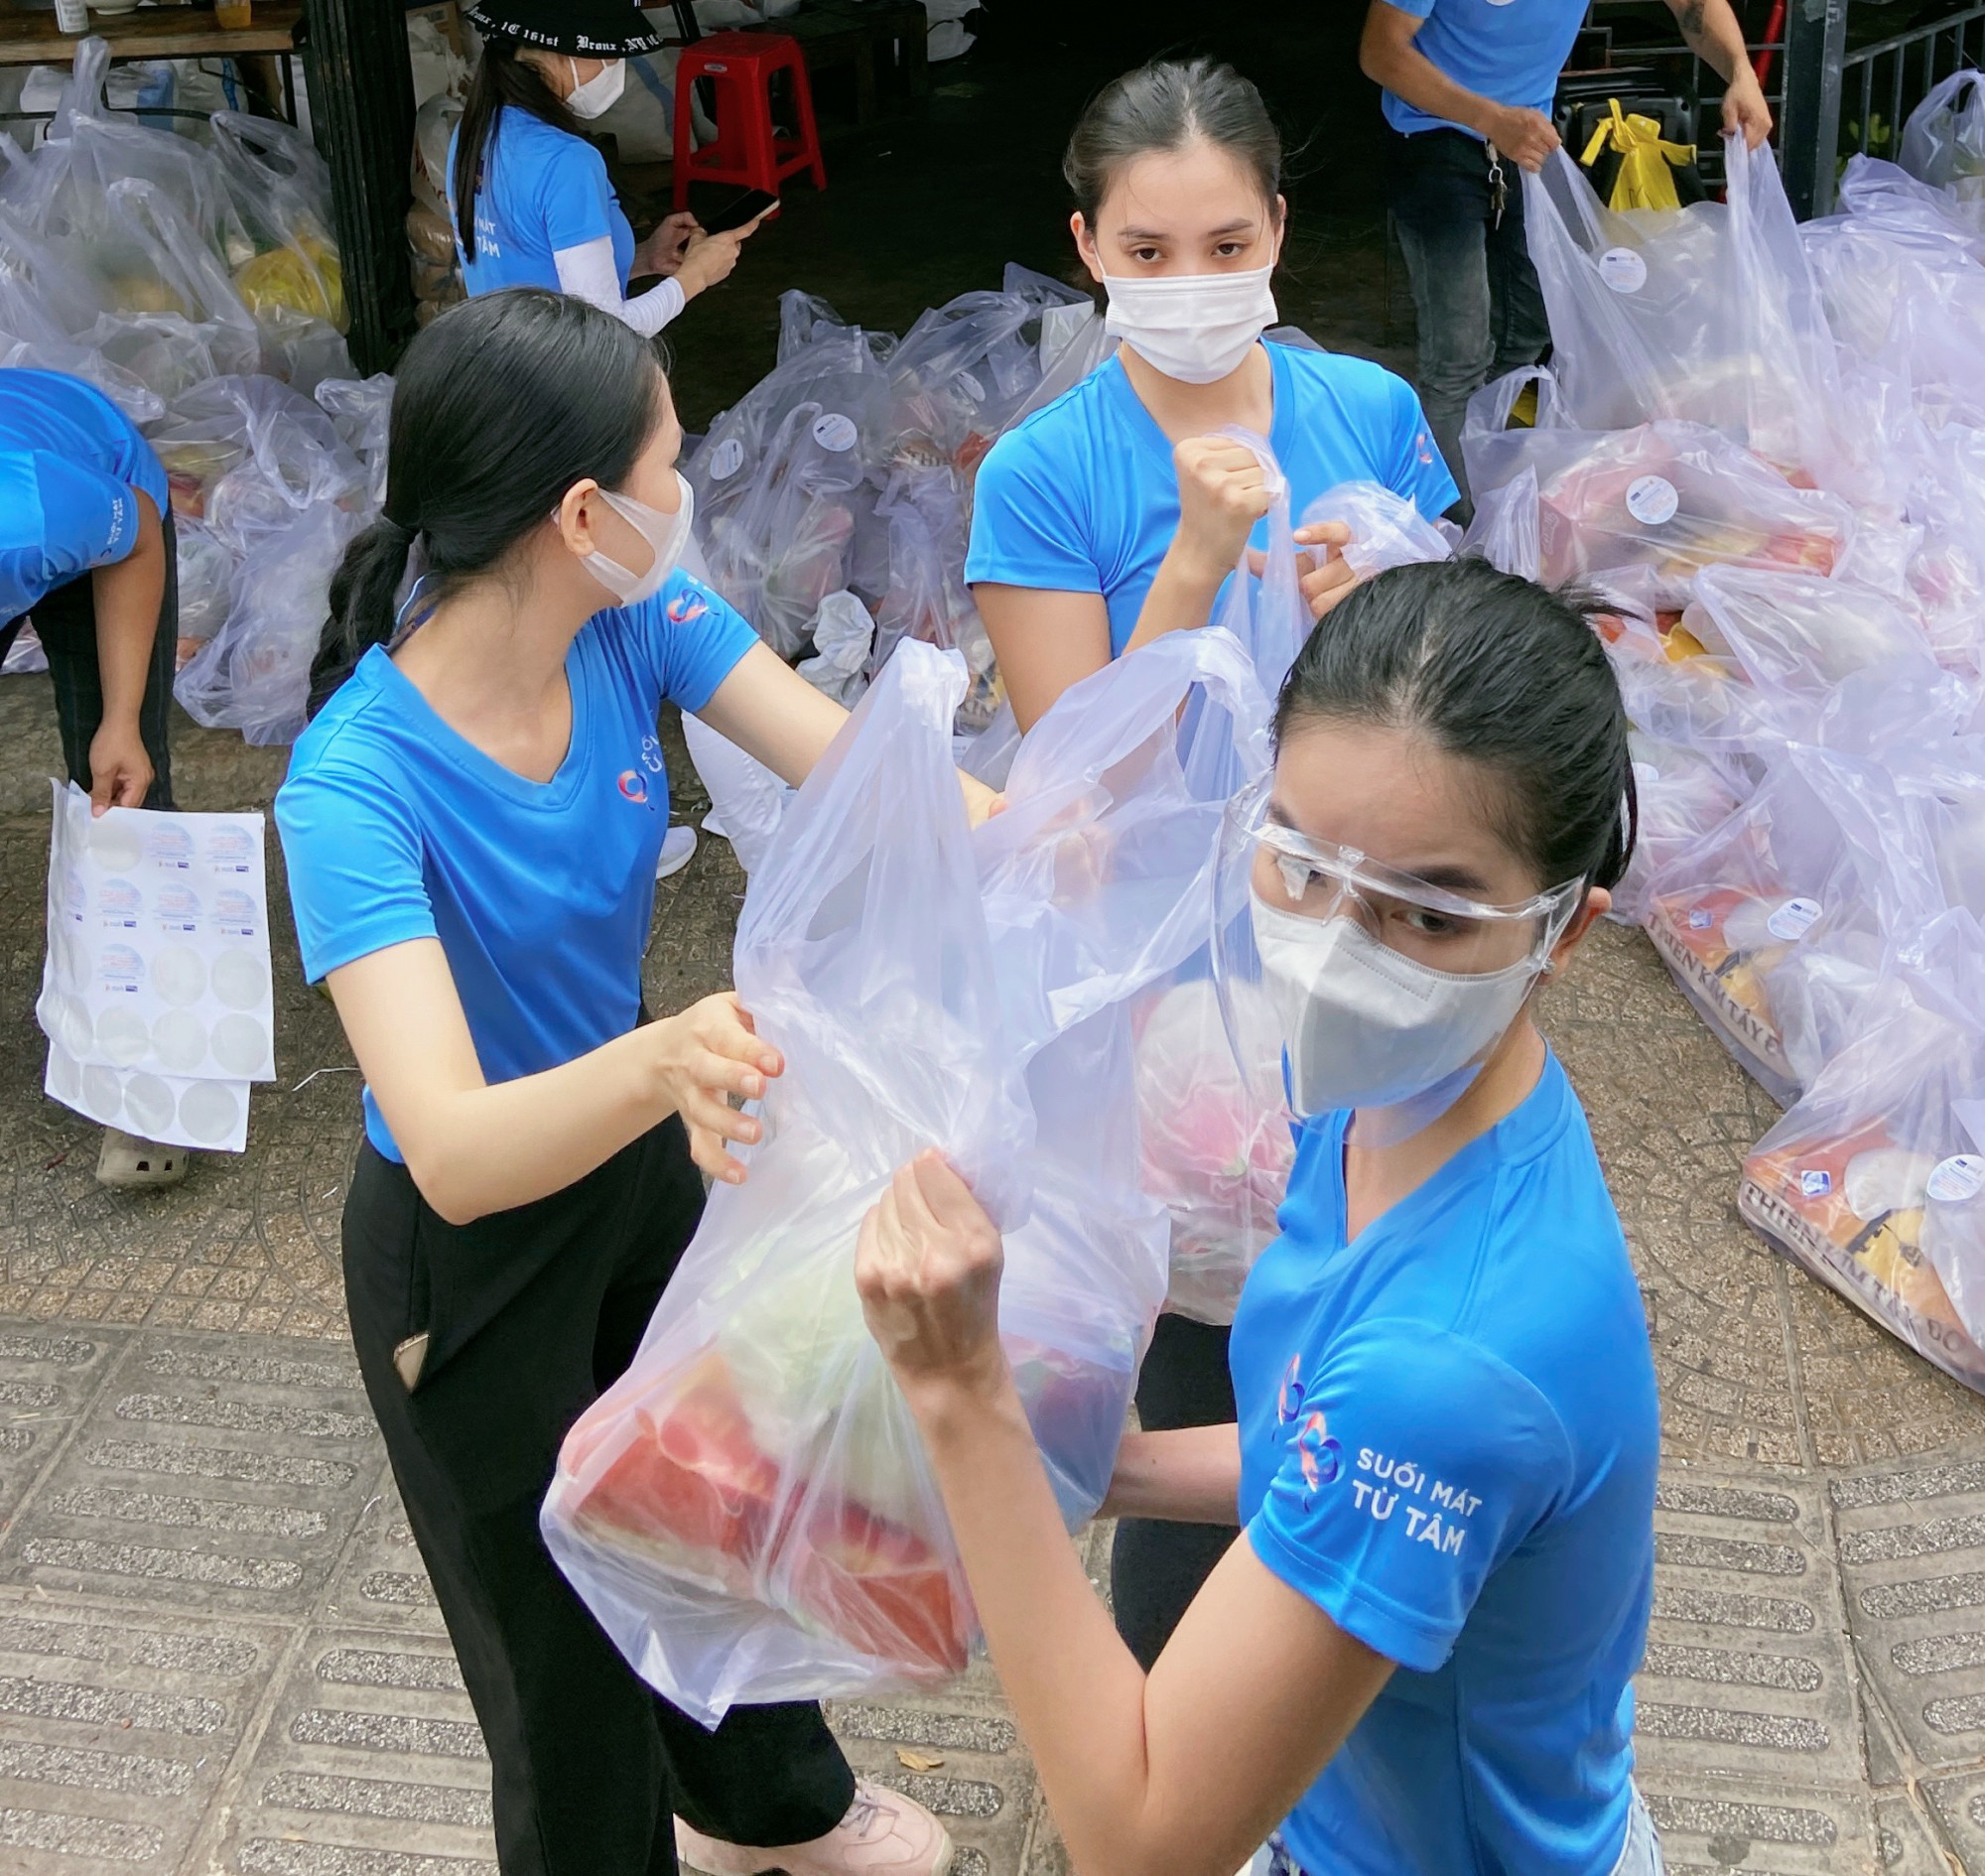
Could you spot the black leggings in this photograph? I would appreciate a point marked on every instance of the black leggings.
(1155, 1568)
(64, 621)
(529, 1313)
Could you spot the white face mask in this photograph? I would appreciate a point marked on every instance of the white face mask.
(1367, 1027)
(667, 534)
(601, 92)
(1195, 327)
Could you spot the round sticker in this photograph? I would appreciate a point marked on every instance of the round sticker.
(119, 969)
(65, 1077)
(123, 1036)
(114, 844)
(1652, 500)
(1793, 919)
(833, 431)
(178, 976)
(976, 391)
(229, 849)
(71, 1024)
(1953, 1180)
(76, 901)
(118, 903)
(235, 912)
(176, 906)
(208, 1111)
(102, 1093)
(240, 1045)
(240, 979)
(179, 1039)
(170, 846)
(727, 459)
(1623, 269)
(149, 1103)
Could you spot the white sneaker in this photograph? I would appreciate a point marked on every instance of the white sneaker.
(678, 844)
(884, 1834)
(127, 1161)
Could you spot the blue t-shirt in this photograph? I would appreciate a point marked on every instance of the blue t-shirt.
(1449, 1434)
(394, 827)
(1083, 496)
(541, 189)
(68, 462)
(1507, 50)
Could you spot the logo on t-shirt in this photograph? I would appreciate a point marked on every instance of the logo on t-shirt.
(1317, 1454)
(686, 606)
(633, 785)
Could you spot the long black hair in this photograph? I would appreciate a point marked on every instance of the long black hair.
(1163, 106)
(498, 408)
(1497, 670)
(501, 78)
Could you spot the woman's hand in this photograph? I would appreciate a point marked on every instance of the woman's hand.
(120, 773)
(1223, 492)
(927, 1268)
(709, 258)
(981, 802)
(662, 252)
(704, 1055)
(1326, 577)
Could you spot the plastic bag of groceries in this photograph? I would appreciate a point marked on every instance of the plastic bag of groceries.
(1386, 530)
(1887, 193)
(207, 583)
(748, 1512)
(1679, 795)
(1706, 314)
(1944, 141)
(844, 644)
(1875, 1181)
(926, 509)
(362, 411)
(281, 190)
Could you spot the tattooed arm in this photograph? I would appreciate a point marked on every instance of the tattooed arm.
(1711, 31)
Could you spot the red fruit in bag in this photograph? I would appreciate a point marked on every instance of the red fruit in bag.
(880, 1586)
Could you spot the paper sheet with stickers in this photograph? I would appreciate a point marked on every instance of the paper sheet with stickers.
(156, 993)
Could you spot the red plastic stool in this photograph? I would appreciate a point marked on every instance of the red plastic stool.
(747, 151)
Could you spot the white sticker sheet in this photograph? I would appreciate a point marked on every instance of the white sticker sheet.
(156, 993)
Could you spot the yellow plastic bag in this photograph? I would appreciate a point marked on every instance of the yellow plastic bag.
(1647, 163)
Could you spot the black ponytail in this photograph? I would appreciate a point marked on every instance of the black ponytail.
(501, 78)
(1496, 669)
(498, 408)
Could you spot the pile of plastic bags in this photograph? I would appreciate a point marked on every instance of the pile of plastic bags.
(748, 1511)
(1763, 445)
(196, 281)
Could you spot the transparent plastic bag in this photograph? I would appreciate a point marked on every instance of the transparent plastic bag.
(746, 800)
(206, 579)
(1683, 794)
(1873, 1182)
(1944, 141)
(1386, 530)
(1706, 314)
(281, 191)
(844, 639)
(361, 409)
(748, 1511)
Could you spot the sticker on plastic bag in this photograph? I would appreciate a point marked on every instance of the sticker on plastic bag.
(1793, 919)
(1816, 1183)
(834, 432)
(1652, 500)
(1954, 1180)
(727, 459)
(1623, 269)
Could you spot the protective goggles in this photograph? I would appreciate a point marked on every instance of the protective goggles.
(1295, 874)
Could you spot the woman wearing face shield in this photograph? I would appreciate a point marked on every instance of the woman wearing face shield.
(1416, 1658)
(533, 207)
(1116, 514)
(470, 824)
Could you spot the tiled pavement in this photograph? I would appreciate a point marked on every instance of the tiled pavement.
(217, 1649)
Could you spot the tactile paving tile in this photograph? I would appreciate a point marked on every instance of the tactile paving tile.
(371, 1765)
(47, 1377)
(981, 1784)
(216, 1471)
(1762, 1830)
(381, 1582)
(115, 1731)
(1913, 1553)
(1908, 1842)
(1747, 1668)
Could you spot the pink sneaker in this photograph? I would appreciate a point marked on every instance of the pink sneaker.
(884, 1833)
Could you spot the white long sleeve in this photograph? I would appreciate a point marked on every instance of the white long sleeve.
(588, 271)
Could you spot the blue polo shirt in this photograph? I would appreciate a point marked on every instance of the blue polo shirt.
(394, 827)
(1083, 496)
(1449, 1434)
(1507, 51)
(70, 460)
(541, 189)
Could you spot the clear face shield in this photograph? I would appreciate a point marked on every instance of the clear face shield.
(1357, 985)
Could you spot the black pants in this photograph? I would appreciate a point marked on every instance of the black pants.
(529, 1314)
(1157, 1568)
(66, 624)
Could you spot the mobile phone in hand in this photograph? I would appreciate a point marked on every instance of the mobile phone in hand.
(735, 214)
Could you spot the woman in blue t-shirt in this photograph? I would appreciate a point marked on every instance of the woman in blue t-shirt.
(1419, 1660)
(533, 205)
(1115, 514)
(470, 824)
